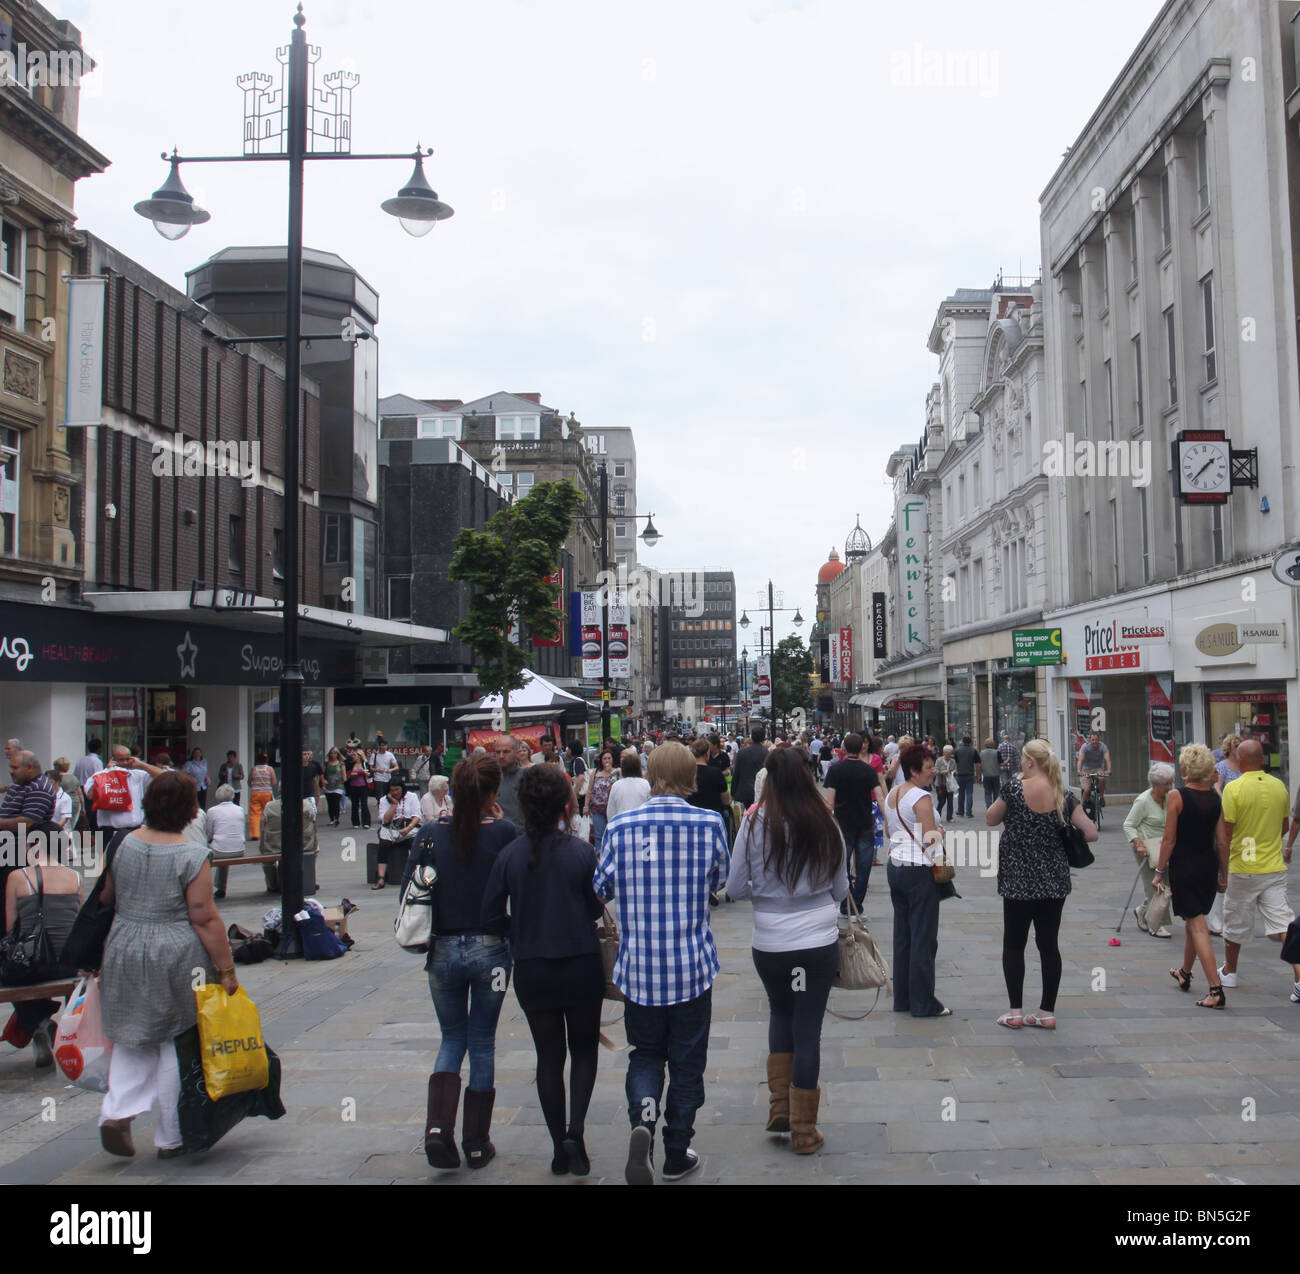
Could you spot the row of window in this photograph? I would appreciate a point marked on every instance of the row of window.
(699, 663)
(969, 605)
(701, 625)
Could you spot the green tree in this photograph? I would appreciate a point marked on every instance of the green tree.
(506, 565)
(792, 665)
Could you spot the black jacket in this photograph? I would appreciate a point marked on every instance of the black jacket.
(749, 760)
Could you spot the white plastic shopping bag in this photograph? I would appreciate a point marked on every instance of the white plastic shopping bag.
(80, 1048)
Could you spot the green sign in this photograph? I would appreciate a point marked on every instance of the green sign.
(1034, 646)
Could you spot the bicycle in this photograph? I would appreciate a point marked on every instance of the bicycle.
(1094, 796)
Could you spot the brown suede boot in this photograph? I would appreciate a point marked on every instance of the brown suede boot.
(780, 1066)
(440, 1121)
(476, 1139)
(803, 1120)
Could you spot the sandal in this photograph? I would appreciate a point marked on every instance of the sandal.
(1041, 1018)
(1182, 977)
(1215, 993)
(1013, 1020)
(379, 884)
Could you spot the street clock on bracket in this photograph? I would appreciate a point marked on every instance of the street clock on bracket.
(1206, 466)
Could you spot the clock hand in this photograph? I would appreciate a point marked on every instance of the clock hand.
(1212, 460)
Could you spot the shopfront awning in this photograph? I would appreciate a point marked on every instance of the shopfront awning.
(883, 698)
(250, 612)
(537, 700)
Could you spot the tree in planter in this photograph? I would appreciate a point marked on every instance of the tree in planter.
(792, 666)
(506, 565)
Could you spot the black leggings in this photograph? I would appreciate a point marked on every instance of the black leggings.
(1045, 915)
(583, 1022)
(334, 800)
(360, 806)
(798, 984)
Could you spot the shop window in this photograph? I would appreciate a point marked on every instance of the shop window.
(336, 539)
(399, 597)
(12, 287)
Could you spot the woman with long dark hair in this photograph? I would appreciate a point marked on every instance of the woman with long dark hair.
(468, 963)
(559, 977)
(790, 859)
(598, 790)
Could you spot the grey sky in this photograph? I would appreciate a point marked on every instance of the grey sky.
(725, 223)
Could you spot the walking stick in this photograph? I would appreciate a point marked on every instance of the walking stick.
(1131, 892)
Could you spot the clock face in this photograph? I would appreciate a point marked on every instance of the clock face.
(1204, 467)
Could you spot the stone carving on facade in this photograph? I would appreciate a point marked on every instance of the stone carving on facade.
(22, 376)
(8, 193)
(68, 232)
(61, 505)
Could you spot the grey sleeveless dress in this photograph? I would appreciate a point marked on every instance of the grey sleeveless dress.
(147, 978)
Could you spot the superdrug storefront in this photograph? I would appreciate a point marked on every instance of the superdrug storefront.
(167, 687)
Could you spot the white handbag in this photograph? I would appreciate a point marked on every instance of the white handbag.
(413, 927)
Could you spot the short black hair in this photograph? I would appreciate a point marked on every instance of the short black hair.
(758, 734)
(965, 740)
(95, 744)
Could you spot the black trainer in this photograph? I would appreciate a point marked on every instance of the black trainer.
(675, 1169)
(640, 1170)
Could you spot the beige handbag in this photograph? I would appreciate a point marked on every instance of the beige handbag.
(607, 932)
(862, 964)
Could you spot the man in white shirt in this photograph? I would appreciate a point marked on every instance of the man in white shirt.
(139, 774)
(399, 820)
(382, 765)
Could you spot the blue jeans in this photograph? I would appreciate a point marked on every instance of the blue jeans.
(862, 855)
(992, 790)
(468, 976)
(598, 822)
(916, 939)
(676, 1036)
(966, 795)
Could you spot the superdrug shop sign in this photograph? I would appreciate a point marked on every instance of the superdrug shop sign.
(56, 643)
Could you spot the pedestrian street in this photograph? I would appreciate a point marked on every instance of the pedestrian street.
(1136, 1085)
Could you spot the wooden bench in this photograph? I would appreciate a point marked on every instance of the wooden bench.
(309, 881)
(38, 991)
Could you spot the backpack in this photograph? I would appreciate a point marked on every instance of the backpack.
(112, 792)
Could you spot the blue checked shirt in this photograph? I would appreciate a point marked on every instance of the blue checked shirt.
(663, 859)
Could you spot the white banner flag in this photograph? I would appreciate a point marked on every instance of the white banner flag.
(85, 377)
(763, 682)
(592, 664)
(835, 657)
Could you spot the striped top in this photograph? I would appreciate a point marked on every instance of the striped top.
(662, 860)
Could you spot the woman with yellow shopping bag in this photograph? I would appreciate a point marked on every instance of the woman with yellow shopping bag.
(166, 925)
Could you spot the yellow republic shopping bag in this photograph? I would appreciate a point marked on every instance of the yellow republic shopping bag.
(230, 1041)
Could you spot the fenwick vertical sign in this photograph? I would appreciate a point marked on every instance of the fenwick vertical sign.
(913, 531)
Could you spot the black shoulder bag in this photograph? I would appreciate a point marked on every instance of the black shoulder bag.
(1072, 839)
(28, 957)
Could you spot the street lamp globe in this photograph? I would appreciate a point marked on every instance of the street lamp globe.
(798, 619)
(650, 536)
(171, 207)
(744, 619)
(417, 206)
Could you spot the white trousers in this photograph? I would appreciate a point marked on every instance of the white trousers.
(137, 1077)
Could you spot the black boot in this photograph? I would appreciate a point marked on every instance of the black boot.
(440, 1120)
(477, 1139)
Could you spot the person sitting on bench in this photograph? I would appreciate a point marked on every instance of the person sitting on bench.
(272, 818)
(399, 820)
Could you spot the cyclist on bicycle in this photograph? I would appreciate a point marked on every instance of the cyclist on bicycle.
(1094, 762)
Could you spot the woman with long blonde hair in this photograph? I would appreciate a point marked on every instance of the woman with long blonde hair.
(1034, 875)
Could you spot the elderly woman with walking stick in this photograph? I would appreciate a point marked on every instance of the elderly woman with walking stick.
(1145, 828)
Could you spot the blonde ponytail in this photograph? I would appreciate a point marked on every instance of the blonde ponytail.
(1040, 752)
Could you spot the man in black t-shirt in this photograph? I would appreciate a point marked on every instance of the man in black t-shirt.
(710, 784)
(312, 774)
(851, 789)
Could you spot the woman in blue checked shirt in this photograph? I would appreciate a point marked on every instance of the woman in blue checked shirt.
(790, 859)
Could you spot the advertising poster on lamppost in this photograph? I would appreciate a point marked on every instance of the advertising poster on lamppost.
(763, 682)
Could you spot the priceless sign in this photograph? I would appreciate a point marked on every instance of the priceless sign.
(1035, 646)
